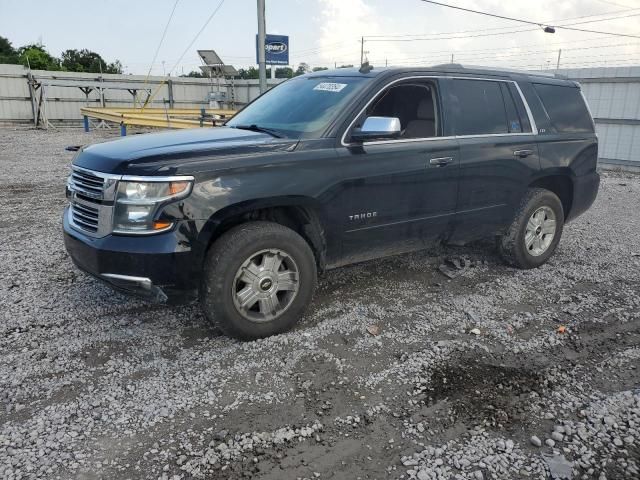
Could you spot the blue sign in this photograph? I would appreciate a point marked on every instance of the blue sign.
(276, 49)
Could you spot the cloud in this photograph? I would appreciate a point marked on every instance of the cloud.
(342, 24)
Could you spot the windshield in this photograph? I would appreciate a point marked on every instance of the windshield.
(299, 107)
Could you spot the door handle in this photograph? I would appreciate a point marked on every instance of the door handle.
(522, 153)
(441, 162)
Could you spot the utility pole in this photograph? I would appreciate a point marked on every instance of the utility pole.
(558, 64)
(361, 50)
(452, 58)
(262, 67)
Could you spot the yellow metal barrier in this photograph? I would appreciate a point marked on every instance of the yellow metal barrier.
(157, 117)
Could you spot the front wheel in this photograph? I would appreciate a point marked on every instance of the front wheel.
(535, 232)
(258, 279)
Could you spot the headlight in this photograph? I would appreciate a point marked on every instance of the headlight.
(139, 202)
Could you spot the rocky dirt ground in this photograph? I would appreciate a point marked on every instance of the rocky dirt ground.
(396, 371)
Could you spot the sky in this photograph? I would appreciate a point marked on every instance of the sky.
(324, 33)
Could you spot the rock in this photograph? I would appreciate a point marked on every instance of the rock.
(475, 331)
(559, 467)
(557, 436)
(478, 475)
(550, 443)
(535, 441)
(423, 475)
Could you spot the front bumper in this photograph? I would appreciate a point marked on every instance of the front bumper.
(155, 267)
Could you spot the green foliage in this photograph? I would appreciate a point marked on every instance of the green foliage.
(36, 57)
(194, 74)
(345, 66)
(250, 73)
(302, 69)
(87, 61)
(8, 54)
(284, 72)
(319, 69)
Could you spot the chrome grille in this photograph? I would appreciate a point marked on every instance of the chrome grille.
(91, 195)
(86, 183)
(85, 216)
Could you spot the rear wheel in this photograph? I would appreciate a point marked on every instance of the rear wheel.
(258, 279)
(535, 232)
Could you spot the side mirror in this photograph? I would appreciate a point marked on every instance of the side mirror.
(377, 128)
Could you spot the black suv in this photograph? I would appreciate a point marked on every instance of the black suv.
(329, 169)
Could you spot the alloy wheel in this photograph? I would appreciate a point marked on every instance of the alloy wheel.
(540, 231)
(265, 285)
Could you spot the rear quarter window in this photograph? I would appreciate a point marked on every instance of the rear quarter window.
(565, 108)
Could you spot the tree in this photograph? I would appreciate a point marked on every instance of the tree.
(302, 69)
(284, 72)
(250, 73)
(8, 54)
(345, 66)
(319, 69)
(194, 74)
(87, 61)
(36, 57)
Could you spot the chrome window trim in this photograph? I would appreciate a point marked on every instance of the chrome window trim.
(534, 128)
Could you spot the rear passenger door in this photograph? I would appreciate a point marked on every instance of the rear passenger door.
(498, 153)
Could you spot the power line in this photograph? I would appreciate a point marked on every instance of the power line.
(164, 33)
(527, 22)
(549, 22)
(215, 10)
(197, 35)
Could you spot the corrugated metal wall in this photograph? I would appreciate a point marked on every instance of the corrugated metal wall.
(613, 95)
(64, 102)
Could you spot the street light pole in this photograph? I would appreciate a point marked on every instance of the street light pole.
(262, 67)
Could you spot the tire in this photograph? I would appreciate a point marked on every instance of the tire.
(260, 262)
(526, 245)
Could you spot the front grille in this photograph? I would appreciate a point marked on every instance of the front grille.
(91, 195)
(87, 184)
(85, 217)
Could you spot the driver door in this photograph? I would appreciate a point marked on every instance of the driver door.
(399, 194)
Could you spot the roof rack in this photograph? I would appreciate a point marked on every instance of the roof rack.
(459, 66)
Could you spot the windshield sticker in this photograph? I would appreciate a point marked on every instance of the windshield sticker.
(330, 87)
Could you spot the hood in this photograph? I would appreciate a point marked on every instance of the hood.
(148, 153)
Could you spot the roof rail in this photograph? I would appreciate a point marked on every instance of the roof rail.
(459, 66)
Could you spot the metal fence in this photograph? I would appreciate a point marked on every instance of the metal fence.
(613, 95)
(67, 92)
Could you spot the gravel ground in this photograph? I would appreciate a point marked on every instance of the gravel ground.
(395, 372)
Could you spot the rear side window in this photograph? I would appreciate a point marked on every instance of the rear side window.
(565, 108)
(478, 108)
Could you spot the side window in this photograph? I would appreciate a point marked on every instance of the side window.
(414, 103)
(565, 107)
(478, 107)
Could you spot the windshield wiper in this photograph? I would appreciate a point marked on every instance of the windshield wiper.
(256, 128)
